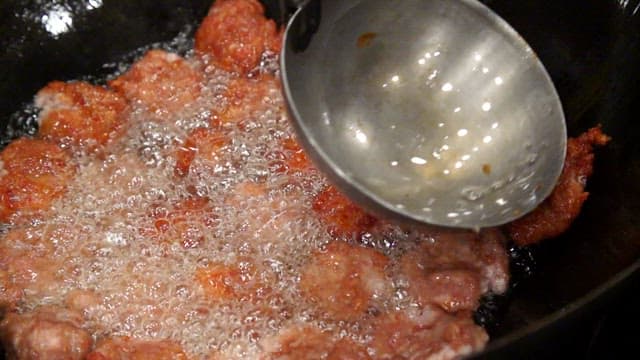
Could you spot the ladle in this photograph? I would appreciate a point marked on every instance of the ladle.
(428, 111)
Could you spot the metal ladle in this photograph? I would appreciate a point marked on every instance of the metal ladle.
(429, 111)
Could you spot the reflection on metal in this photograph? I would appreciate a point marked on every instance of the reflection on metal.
(58, 20)
(444, 110)
(634, 6)
(93, 4)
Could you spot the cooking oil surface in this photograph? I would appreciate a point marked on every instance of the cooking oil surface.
(211, 259)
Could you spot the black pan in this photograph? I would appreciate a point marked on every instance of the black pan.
(590, 47)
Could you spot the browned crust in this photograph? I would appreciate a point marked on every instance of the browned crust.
(559, 210)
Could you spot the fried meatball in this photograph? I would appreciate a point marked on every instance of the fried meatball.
(220, 281)
(557, 212)
(267, 217)
(186, 222)
(245, 99)
(344, 280)
(22, 272)
(161, 82)
(342, 217)
(28, 266)
(47, 333)
(452, 269)
(346, 349)
(297, 160)
(34, 173)
(82, 300)
(298, 343)
(310, 342)
(203, 145)
(242, 280)
(236, 34)
(79, 114)
(425, 333)
(245, 193)
(125, 348)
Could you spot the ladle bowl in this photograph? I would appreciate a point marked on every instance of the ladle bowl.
(427, 111)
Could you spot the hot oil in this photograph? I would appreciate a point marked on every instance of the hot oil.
(258, 225)
(148, 286)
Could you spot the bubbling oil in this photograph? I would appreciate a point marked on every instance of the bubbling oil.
(147, 284)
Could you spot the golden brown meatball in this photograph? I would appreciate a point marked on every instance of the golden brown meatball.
(125, 348)
(244, 98)
(426, 333)
(452, 269)
(344, 280)
(342, 217)
(346, 349)
(298, 343)
(79, 114)
(220, 281)
(22, 272)
(311, 343)
(202, 144)
(557, 212)
(27, 263)
(47, 333)
(82, 300)
(34, 174)
(236, 34)
(242, 280)
(296, 160)
(163, 83)
(185, 222)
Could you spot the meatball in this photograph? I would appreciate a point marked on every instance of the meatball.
(297, 160)
(82, 300)
(452, 269)
(245, 99)
(28, 266)
(201, 144)
(236, 34)
(163, 83)
(309, 342)
(34, 173)
(47, 333)
(451, 289)
(346, 349)
(187, 222)
(22, 272)
(342, 217)
(242, 280)
(425, 333)
(298, 343)
(247, 193)
(10, 293)
(264, 217)
(343, 280)
(222, 282)
(125, 348)
(79, 114)
(291, 159)
(557, 212)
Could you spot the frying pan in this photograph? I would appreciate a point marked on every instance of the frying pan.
(591, 48)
